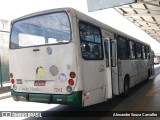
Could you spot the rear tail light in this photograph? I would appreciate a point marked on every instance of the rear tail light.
(72, 74)
(71, 82)
(12, 81)
(69, 89)
(11, 75)
(68, 11)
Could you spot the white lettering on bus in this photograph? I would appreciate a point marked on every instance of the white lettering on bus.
(29, 88)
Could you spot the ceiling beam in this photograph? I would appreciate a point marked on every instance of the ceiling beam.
(153, 22)
(149, 26)
(157, 30)
(152, 33)
(138, 9)
(141, 14)
(146, 27)
(146, 17)
(148, 1)
(152, 4)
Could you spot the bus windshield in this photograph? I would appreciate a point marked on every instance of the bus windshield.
(52, 28)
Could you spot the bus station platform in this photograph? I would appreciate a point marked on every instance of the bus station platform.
(5, 91)
(143, 98)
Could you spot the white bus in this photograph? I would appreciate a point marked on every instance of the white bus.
(63, 56)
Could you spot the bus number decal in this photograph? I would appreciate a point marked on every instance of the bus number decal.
(49, 51)
(57, 89)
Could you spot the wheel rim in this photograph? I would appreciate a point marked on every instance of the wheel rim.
(126, 87)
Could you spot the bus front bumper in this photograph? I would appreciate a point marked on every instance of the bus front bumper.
(74, 99)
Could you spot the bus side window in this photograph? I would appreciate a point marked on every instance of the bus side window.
(90, 51)
(86, 51)
(147, 52)
(95, 51)
(91, 43)
(143, 52)
(132, 49)
(122, 48)
(138, 51)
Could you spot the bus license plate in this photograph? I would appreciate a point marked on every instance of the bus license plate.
(39, 83)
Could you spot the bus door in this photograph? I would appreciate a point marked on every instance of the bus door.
(114, 68)
(108, 81)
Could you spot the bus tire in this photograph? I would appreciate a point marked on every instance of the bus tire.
(15, 98)
(126, 86)
(148, 76)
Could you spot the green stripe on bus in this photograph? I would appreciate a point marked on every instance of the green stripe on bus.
(74, 99)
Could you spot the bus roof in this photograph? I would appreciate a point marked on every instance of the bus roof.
(106, 27)
(84, 17)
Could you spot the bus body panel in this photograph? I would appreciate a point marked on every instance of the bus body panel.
(93, 81)
(136, 69)
(107, 36)
(51, 64)
(114, 64)
(37, 66)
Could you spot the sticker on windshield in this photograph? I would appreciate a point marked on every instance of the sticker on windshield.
(49, 51)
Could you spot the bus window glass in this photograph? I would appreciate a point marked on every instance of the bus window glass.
(113, 55)
(132, 49)
(52, 40)
(30, 40)
(147, 52)
(143, 52)
(90, 37)
(122, 48)
(52, 28)
(138, 51)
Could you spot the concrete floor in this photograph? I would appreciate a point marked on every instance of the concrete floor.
(144, 98)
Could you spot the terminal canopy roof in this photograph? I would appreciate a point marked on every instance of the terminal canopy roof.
(143, 13)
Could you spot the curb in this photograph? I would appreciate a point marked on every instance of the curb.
(5, 92)
(5, 89)
(4, 96)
